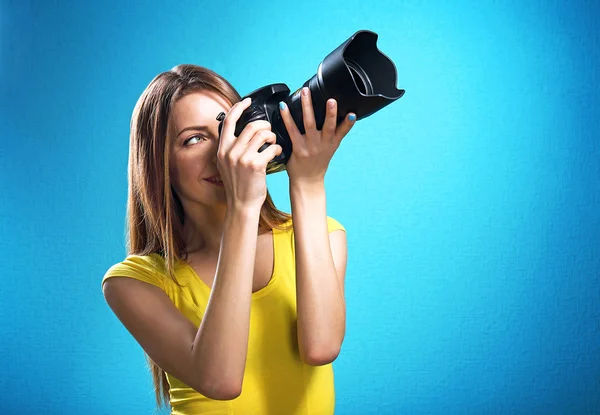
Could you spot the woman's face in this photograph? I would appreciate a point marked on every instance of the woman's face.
(194, 147)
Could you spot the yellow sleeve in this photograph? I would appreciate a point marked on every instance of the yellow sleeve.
(334, 225)
(142, 268)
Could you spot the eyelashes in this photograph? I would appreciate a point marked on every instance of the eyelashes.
(198, 137)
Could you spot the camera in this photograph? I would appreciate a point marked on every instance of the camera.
(356, 74)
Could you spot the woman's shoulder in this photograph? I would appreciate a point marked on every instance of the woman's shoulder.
(147, 268)
(332, 225)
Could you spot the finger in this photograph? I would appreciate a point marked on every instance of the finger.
(308, 114)
(251, 129)
(330, 119)
(260, 138)
(289, 123)
(230, 120)
(269, 153)
(345, 126)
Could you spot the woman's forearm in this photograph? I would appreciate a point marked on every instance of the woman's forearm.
(320, 301)
(221, 344)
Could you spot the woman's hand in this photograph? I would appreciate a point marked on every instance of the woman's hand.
(242, 167)
(313, 151)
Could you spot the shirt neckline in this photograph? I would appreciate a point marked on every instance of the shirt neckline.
(257, 294)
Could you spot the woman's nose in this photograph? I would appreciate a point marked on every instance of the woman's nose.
(215, 150)
(214, 155)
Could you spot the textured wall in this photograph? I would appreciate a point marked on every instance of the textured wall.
(472, 204)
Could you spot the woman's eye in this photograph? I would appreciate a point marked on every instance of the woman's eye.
(194, 140)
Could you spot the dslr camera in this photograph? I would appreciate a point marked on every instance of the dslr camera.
(356, 74)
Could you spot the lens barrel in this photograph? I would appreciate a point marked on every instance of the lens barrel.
(356, 74)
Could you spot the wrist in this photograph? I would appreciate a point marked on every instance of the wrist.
(308, 185)
(246, 212)
(306, 193)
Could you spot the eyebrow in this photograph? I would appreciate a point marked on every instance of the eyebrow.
(195, 128)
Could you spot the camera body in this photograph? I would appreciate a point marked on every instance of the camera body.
(356, 74)
(265, 106)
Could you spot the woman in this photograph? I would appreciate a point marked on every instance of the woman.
(239, 308)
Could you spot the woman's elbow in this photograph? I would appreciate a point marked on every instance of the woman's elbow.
(219, 392)
(320, 357)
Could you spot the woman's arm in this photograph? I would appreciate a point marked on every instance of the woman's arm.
(320, 272)
(221, 344)
(210, 359)
(320, 257)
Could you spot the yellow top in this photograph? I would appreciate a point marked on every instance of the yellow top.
(275, 380)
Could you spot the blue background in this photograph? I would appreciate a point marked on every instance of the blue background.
(472, 204)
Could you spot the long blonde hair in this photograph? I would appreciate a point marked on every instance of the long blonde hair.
(154, 212)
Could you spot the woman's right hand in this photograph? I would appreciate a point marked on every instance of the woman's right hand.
(243, 169)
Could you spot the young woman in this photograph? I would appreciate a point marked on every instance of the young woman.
(239, 307)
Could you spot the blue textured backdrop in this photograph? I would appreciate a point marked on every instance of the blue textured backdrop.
(472, 204)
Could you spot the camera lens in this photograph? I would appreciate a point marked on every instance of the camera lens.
(356, 74)
(361, 79)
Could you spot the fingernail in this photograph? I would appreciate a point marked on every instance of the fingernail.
(331, 103)
(282, 105)
(305, 91)
(351, 117)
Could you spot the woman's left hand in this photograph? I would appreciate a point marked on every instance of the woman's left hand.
(313, 151)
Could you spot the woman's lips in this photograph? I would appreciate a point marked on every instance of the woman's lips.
(220, 184)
